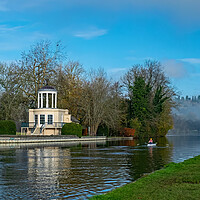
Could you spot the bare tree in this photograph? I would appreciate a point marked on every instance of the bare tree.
(37, 65)
(100, 102)
(69, 81)
(153, 74)
(12, 102)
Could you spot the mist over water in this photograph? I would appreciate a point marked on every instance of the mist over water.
(187, 117)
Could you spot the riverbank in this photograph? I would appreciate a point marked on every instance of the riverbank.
(62, 138)
(175, 181)
(39, 139)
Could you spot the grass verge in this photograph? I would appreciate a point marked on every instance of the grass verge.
(179, 181)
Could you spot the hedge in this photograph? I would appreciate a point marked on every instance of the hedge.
(103, 130)
(72, 129)
(7, 127)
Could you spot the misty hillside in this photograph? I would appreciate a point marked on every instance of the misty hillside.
(187, 116)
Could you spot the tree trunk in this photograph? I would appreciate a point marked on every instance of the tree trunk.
(93, 129)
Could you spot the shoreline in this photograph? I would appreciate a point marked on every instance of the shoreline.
(5, 139)
(174, 181)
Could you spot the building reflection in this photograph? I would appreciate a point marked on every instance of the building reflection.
(78, 171)
(45, 165)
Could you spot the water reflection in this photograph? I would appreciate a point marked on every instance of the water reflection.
(142, 159)
(45, 166)
(184, 147)
(80, 170)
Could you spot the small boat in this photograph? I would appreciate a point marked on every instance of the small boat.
(151, 145)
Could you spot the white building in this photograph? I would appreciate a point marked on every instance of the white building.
(47, 119)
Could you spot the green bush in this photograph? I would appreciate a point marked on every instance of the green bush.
(72, 129)
(135, 124)
(103, 130)
(7, 127)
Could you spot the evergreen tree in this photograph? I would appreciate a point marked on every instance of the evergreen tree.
(141, 104)
(140, 101)
(150, 100)
(159, 99)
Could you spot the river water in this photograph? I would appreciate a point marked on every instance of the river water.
(81, 170)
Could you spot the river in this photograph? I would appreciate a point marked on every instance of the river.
(81, 170)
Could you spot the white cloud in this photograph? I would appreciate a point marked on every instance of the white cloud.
(5, 28)
(116, 73)
(174, 69)
(91, 33)
(191, 60)
(184, 12)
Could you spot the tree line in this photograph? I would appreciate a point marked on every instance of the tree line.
(141, 100)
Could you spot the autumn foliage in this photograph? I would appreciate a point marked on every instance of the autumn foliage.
(127, 132)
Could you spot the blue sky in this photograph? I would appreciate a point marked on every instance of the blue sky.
(111, 34)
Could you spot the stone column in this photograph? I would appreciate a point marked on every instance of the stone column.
(38, 100)
(56, 100)
(41, 100)
(52, 100)
(47, 100)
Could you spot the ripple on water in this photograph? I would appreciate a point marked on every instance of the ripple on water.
(59, 172)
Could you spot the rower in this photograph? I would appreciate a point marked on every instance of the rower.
(150, 141)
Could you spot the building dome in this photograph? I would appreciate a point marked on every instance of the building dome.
(47, 88)
(47, 97)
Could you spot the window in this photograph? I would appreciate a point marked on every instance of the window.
(36, 119)
(42, 119)
(50, 119)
